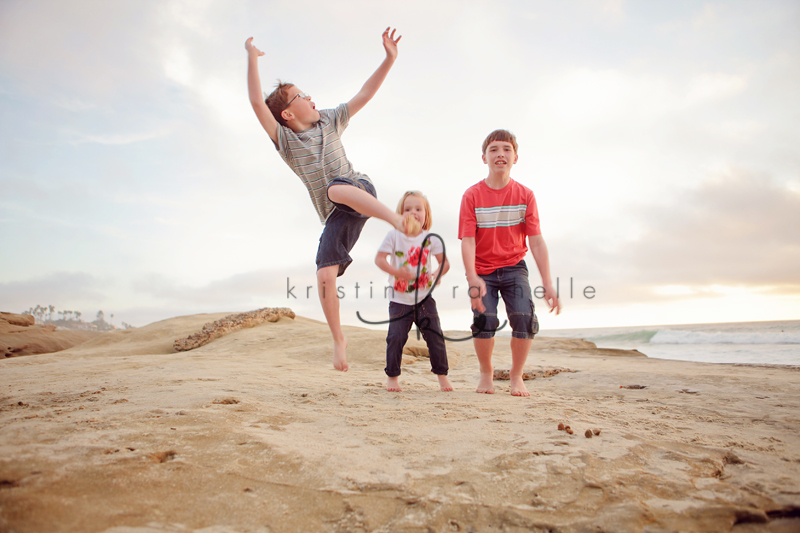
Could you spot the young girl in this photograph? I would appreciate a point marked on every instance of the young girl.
(411, 302)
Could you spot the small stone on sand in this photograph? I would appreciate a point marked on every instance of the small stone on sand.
(225, 401)
(588, 433)
(163, 457)
(596, 431)
(561, 426)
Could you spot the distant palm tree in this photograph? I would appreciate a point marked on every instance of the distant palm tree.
(51, 308)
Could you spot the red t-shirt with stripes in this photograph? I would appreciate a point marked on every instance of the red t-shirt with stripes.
(500, 220)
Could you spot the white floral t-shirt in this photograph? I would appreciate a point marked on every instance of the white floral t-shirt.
(408, 251)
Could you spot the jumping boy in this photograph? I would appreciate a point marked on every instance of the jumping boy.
(496, 215)
(308, 140)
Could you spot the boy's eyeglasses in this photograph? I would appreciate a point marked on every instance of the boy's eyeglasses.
(301, 95)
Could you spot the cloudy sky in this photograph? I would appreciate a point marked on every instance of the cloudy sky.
(660, 138)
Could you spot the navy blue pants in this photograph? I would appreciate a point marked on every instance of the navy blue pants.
(427, 319)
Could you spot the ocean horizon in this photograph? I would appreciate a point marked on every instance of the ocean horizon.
(770, 342)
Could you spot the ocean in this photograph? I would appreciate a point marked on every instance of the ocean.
(774, 343)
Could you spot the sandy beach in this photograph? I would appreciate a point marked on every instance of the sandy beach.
(256, 432)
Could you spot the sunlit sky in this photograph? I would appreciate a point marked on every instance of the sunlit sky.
(660, 139)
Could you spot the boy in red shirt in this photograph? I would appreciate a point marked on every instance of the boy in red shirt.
(497, 214)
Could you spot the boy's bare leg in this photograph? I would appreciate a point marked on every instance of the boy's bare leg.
(393, 384)
(519, 354)
(444, 383)
(484, 349)
(364, 203)
(326, 284)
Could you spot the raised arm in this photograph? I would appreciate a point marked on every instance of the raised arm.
(374, 82)
(542, 258)
(256, 96)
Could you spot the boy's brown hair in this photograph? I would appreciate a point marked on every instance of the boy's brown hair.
(428, 217)
(277, 100)
(502, 136)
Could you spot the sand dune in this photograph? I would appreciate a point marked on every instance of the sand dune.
(256, 432)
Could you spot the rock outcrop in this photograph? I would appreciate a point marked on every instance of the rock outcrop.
(20, 335)
(229, 324)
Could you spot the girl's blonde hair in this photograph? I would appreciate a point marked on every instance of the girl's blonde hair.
(428, 217)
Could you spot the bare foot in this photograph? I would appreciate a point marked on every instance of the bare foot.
(444, 384)
(486, 383)
(340, 355)
(518, 387)
(393, 384)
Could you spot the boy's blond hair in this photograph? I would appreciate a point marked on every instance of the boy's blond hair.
(428, 216)
(502, 136)
(277, 100)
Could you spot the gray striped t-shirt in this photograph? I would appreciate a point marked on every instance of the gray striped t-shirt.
(317, 156)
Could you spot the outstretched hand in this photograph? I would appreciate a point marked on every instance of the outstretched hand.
(251, 49)
(390, 43)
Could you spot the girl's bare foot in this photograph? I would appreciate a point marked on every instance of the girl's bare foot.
(444, 384)
(518, 387)
(393, 384)
(340, 355)
(486, 384)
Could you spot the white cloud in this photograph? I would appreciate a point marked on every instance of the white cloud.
(707, 17)
(714, 86)
(115, 138)
(585, 96)
(737, 229)
(74, 104)
(61, 289)
(613, 6)
(178, 65)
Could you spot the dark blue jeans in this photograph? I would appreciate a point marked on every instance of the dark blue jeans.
(427, 319)
(512, 284)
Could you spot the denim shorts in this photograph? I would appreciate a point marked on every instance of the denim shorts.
(342, 229)
(512, 284)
